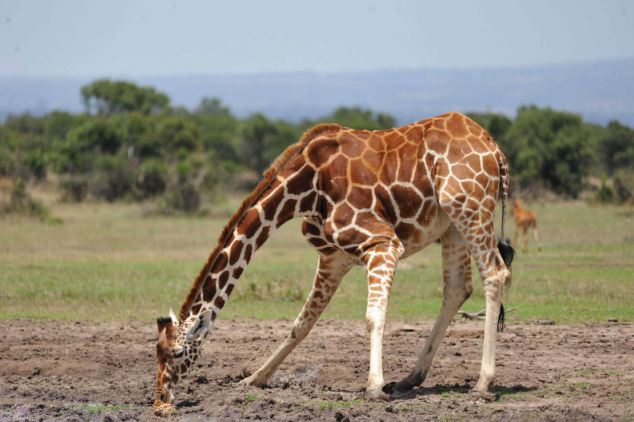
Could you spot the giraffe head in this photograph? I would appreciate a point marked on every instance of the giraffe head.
(177, 349)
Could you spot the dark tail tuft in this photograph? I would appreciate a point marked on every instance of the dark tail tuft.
(501, 319)
(507, 252)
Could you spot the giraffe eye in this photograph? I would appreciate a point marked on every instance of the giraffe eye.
(178, 352)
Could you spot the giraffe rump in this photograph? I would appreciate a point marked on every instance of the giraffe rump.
(267, 178)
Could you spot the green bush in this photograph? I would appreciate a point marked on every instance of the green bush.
(20, 202)
(151, 179)
(604, 194)
(112, 178)
(74, 188)
(624, 185)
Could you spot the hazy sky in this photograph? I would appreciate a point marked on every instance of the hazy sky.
(152, 37)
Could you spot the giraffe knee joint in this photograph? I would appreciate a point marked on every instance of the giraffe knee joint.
(374, 318)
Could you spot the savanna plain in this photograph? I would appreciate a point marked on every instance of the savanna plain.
(79, 296)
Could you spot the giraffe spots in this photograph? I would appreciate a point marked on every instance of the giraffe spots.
(317, 242)
(196, 308)
(264, 234)
(300, 182)
(407, 155)
(472, 189)
(287, 212)
(220, 263)
(425, 188)
(409, 200)
(438, 123)
(234, 253)
(351, 146)
(209, 288)
(237, 272)
(360, 198)
(351, 237)
(478, 145)
(415, 134)
(473, 161)
(388, 173)
(247, 252)
(271, 204)
(362, 219)
(456, 125)
(309, 228)
(384, 203)
(394, 140)
(376, 143)
(474, 128)
(335, 181)
(457, 150)
(307, 203)
(361, 174)
(249, 223)
(219, 302)
(343, 215)
(405, 230)
(320, 150)
(372, 160)
(490, 165)
(229, 289)
(462, 172)
(437, 141)
(222, 279)
(483, 180)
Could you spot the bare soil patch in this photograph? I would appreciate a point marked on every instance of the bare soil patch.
(78, 371)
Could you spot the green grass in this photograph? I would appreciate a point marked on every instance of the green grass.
(110, 262)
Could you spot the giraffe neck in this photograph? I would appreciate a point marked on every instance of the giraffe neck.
(276, 206)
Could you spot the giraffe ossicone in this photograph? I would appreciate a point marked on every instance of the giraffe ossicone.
(367, 198)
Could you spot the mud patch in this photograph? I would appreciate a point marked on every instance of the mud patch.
(72, 371)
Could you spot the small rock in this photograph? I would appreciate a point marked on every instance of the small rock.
(613, 320)
(340, 417)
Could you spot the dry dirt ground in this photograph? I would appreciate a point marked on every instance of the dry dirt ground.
(79, 371)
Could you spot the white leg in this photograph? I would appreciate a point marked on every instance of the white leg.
(380, 262)
(330, 271)
(457, 289)
(494, 275)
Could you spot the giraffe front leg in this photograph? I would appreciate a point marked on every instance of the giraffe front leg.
(380, 262)
(330, 271)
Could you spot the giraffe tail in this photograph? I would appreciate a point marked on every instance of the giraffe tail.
(504, 245)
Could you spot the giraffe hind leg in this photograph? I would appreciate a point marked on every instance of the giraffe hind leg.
(457, 288)
(330, 271)
(477, 230)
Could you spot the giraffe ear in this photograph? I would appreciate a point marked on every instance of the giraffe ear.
(173, 317)
(163, 322)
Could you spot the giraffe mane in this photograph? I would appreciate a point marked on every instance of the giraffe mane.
(268, 177)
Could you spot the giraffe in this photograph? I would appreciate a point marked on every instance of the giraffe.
(524, 221)
(367, 198)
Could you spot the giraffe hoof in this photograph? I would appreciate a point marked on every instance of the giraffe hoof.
(376, 395)
(398, 390)
(164, 409)
(486, 396)
(253, 381)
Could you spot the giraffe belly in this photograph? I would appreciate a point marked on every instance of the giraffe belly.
(422, 235)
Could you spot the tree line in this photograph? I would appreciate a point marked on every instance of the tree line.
(132, 144)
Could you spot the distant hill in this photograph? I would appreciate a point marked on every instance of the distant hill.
(599, 91)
